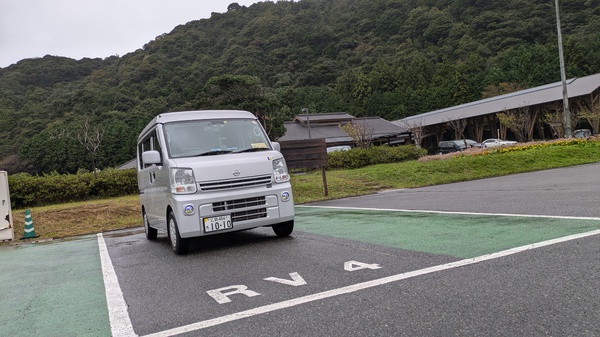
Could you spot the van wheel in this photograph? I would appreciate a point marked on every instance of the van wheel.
(151, 233)
(180, 246)
(284, 228)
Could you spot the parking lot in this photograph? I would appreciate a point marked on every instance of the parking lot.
(513, 255)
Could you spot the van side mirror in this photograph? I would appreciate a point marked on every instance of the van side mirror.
(276, 146)
(151, 157)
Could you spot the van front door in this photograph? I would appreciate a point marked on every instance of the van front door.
(151, 180)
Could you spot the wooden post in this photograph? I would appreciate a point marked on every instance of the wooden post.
(323, 173)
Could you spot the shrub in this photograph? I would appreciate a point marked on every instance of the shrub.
(358, 157)
(27, 190)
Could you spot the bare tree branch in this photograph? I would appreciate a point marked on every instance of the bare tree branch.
(361, 133)
(591, 113)
(458, 125)
(90, 137)
(417, 129)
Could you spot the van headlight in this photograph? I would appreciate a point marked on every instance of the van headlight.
(183, 181)
(280, 171)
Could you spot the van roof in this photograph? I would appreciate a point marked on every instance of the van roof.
(194, 115)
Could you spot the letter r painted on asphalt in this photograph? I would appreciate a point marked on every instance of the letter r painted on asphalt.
(221, 295)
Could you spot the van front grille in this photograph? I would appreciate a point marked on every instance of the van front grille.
(236, 183)
(238, 204)
(249, 215)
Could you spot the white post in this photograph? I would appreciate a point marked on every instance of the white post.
(6, 222)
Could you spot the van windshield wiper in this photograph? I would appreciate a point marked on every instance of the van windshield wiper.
(213, 153)
(252, 149)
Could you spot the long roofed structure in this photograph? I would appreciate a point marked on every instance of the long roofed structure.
(541, 105)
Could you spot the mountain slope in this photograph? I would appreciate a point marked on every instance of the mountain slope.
(387, 58)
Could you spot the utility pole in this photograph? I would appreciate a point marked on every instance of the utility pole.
(305, 110)
(567, 113)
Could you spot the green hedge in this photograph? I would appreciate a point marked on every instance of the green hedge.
(357, 157)
(28, 191)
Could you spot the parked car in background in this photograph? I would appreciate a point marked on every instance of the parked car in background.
(582, 133)
(470, 143)
(493, 142)
(338, 148)
(448, 146)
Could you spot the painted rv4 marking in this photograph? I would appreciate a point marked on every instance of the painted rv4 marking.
(222, 295)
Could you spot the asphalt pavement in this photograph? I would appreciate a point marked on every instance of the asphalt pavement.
(571, 191)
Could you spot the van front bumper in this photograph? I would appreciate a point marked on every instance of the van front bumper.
(248, 209)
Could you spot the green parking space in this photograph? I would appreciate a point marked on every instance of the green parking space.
(53, 289)
(458, 235)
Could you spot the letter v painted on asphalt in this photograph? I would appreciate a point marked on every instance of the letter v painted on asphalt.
(296, 280)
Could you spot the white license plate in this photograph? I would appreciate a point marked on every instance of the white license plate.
(217, 223)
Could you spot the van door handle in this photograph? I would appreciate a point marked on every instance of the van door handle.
(152, 177)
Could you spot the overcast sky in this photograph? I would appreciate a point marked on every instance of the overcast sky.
(93, 28)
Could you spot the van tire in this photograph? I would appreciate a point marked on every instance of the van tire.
(179, 245)
(284, 229)
(151, 233)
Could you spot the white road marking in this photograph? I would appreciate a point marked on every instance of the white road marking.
(120, 324)
(221, 295)
(457, 213)
(296, 280)
(360, 286)
(355, 265)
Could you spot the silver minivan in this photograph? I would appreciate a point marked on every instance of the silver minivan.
(209, 172)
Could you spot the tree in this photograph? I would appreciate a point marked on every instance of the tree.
(458, 125)
(518, 121)
(90, 138)
(500, 89)
(246, 93)
(232, 91)
(591, 112)
(233, 6)
(555, 118)
(417, 129)
(361, 133)
(53, 149)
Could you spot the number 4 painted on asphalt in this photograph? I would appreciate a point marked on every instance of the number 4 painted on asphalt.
(221, 295)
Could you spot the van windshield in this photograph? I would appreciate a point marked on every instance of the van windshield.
(214, 137)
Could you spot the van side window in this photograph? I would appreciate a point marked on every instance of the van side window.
(150, 142)
(156, 144)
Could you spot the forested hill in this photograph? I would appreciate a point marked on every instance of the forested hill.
(389, 58)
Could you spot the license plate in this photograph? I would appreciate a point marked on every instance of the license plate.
(217, 223)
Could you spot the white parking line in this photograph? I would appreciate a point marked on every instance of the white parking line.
(120, 324)
(357, 287)
(457, 213)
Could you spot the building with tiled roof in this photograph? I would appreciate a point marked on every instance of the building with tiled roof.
(327, 126)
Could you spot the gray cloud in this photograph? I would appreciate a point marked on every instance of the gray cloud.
(92, 28)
